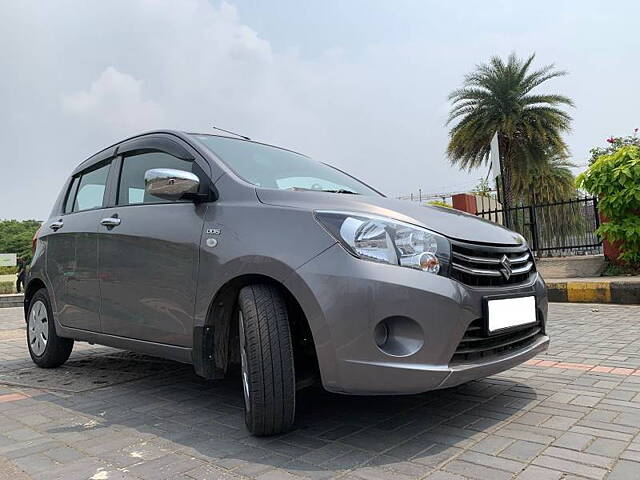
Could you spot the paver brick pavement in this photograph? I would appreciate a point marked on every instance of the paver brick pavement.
(573, 412)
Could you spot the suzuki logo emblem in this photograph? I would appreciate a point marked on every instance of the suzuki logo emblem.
(506, 267)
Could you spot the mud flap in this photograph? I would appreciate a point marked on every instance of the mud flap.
(207, 360)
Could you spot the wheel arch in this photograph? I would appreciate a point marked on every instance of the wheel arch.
(214, 348)
(32, 287)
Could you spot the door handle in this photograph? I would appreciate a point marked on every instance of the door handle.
(110, 222)
(55, 226)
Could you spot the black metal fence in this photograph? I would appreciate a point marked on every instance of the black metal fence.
(554, 229)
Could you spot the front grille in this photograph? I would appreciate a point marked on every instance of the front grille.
(476, 346)
(489, 266)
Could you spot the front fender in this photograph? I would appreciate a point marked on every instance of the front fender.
(213, 326)
(211, 285)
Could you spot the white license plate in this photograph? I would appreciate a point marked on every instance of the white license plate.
(511, 312)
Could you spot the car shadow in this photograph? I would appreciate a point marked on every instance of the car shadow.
(179, 412)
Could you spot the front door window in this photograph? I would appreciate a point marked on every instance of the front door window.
(131, 190)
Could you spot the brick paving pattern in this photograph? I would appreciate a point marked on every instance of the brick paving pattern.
(571, 413)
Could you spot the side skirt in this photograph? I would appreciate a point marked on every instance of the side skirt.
(171, 352)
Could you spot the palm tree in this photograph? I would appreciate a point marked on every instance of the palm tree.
(499, 97)
(548, 185)
(545, 182)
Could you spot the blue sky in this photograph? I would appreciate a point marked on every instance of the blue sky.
(359, 84)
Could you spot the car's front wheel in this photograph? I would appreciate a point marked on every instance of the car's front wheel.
(46, 348)
(266, 355)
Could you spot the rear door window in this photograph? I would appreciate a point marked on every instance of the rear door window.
(91, 189)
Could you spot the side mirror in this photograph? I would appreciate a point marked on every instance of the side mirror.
(170, 184)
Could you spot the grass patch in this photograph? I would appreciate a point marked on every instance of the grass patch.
(613, 270)
(8, 270)
(7, 287)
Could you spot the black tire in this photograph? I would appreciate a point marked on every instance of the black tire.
(46, 348)
(268, 376)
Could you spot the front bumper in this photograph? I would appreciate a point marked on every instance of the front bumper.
(345, 298)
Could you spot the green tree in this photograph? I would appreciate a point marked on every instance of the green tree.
(15, 236)
(483, 189)
(499, 97)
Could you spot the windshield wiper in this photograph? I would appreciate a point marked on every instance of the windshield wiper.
(340, 190)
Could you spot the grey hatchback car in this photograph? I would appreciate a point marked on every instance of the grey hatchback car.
(237, 256)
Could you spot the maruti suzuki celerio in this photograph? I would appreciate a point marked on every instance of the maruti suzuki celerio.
(222, 252)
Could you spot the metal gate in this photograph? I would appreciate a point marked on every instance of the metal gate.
(554, 229)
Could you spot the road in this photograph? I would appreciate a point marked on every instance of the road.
(571, 413)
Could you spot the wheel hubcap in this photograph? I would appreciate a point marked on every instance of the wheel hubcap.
(38, 332)
(243, 360)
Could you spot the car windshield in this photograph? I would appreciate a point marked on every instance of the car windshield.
(272, 167)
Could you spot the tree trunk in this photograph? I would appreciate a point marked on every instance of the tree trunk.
(506, 178)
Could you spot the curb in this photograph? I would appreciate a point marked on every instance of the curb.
(12, 300)
(623, 293)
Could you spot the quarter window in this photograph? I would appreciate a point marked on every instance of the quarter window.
(71, 195)
(131, 190)
(91, 189)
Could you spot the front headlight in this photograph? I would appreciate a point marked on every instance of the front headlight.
(382, 239)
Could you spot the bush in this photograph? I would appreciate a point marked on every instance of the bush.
(438, 203)
(15, 236)
(615, 180)
(7, 287)
(8, 270)
(615, 144)
(614, 270)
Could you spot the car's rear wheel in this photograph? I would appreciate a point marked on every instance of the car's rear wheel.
(46, 348)
(266, 356)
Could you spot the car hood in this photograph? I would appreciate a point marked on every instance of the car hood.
(452, 223)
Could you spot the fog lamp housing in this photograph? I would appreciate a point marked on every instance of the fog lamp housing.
(398, 336)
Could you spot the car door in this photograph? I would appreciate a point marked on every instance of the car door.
(72, 249)
(148, 255)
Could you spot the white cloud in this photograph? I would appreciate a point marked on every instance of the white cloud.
(80, 75)
(115, 100)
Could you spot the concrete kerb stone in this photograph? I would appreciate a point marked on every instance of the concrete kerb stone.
(626, 292)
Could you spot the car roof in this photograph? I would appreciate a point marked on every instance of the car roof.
(110, 151)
